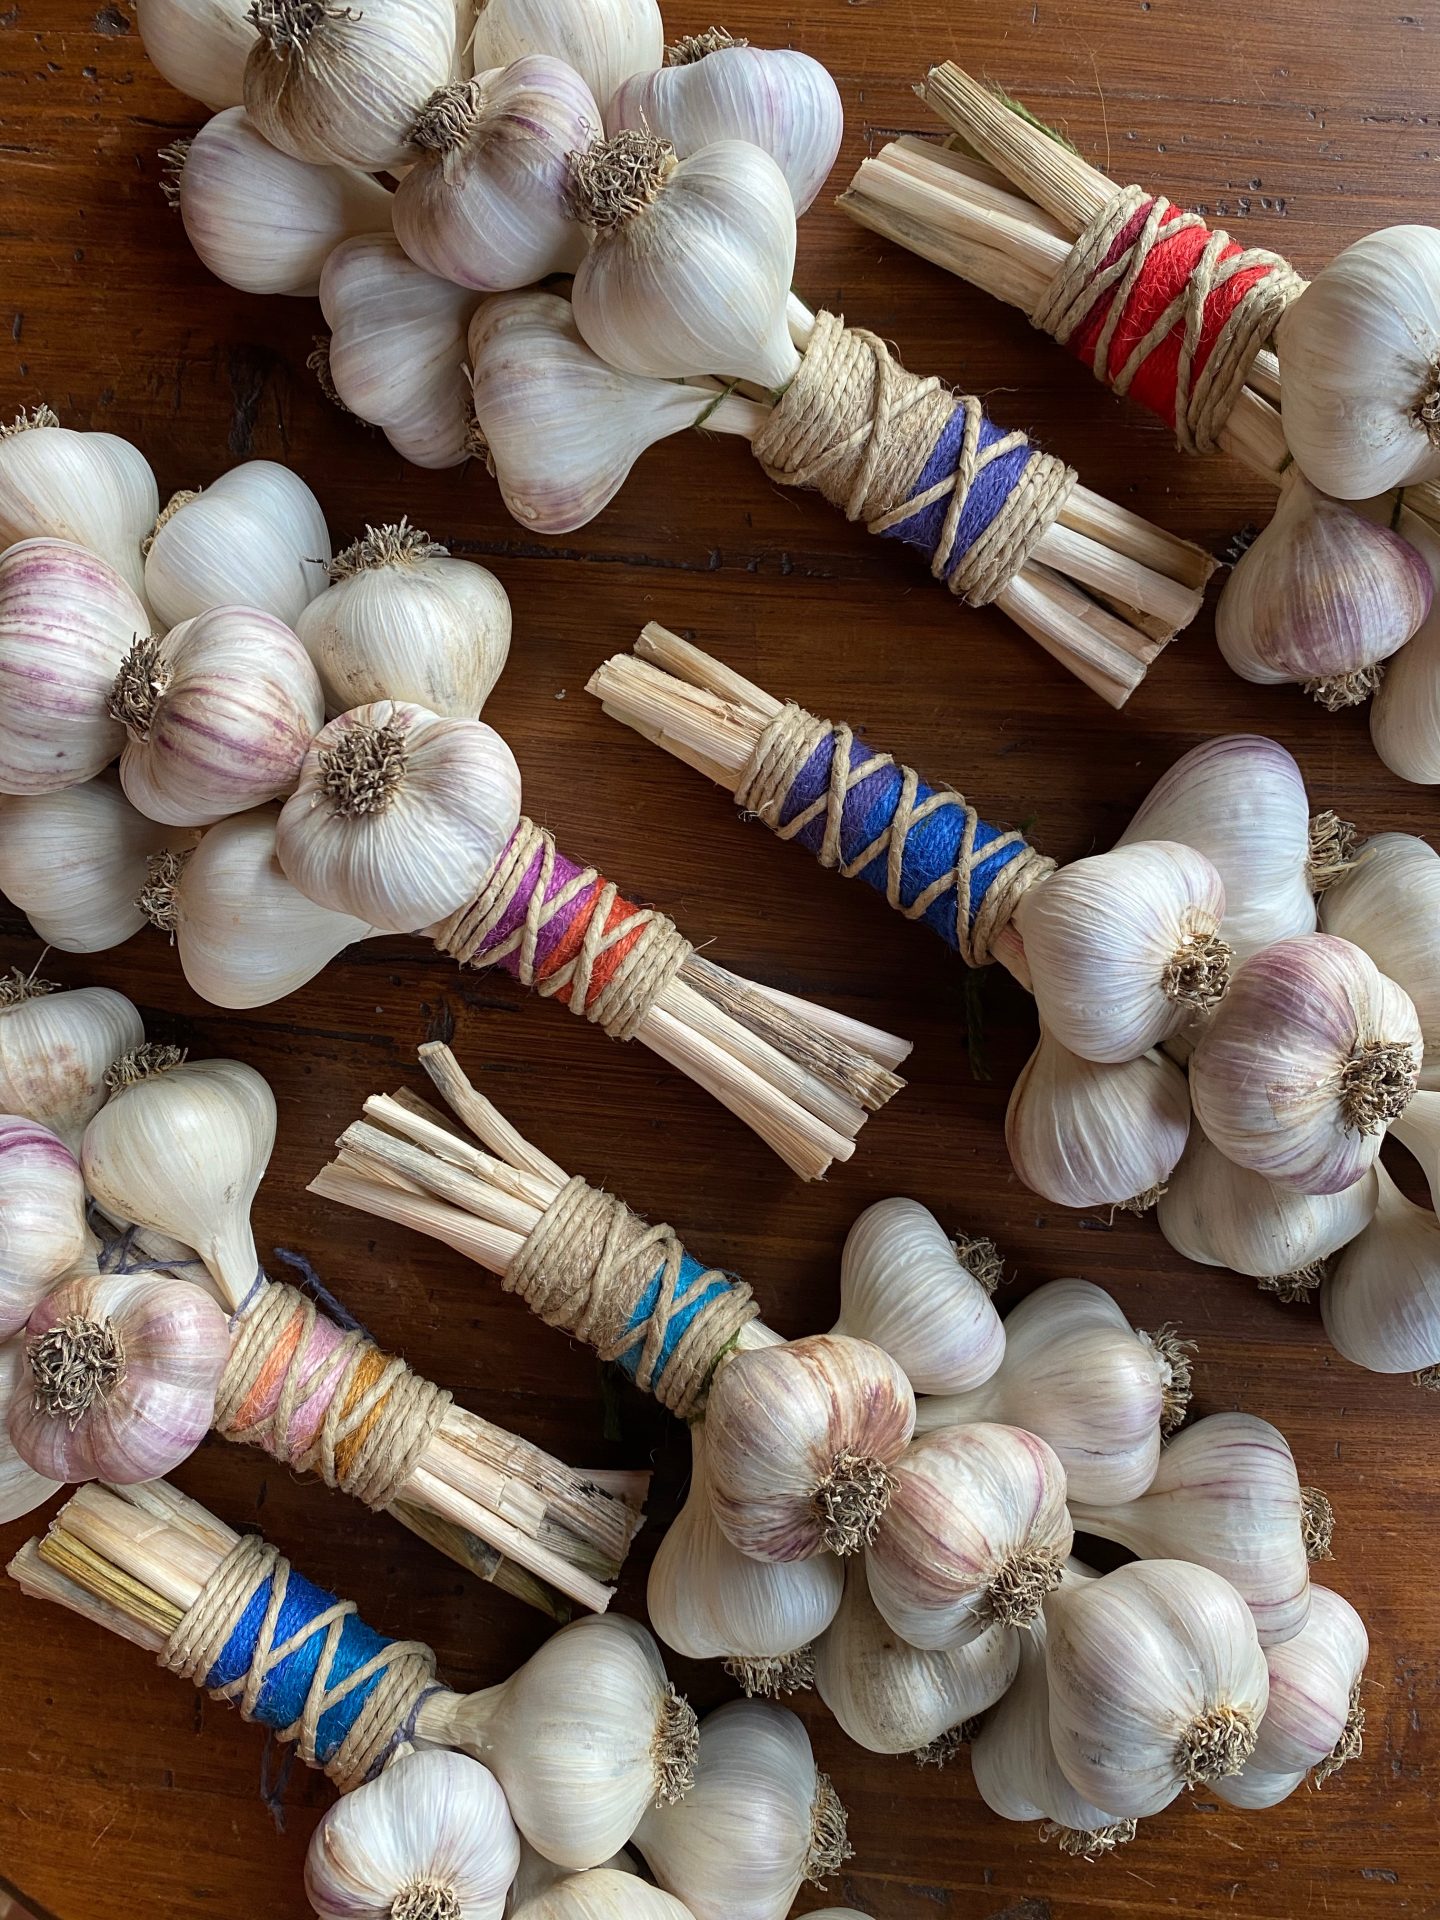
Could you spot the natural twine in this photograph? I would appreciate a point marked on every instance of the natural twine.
(585, 1268)
(857, 427)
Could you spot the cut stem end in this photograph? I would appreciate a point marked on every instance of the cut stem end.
(73, 1365)
(1216, 1744)
(676, 1749)
(851, 1501)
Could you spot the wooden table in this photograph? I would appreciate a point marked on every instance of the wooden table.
(124, 1793)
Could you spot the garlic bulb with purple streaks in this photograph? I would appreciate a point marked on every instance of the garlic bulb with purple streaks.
(22, 1490)
(1388, 903)
(604, 40)
(55, 1049)
(1381, 1299)
(93, 489)
(42, 1217)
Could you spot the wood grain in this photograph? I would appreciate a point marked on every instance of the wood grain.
(124, 1793)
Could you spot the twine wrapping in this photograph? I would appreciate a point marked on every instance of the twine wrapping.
(325, 1400)
(864, 814)
(569, 933)
(912, 460)
(298, 1660)
(592, 1268)
(1159, 306)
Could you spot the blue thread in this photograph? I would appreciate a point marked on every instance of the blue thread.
(118, 1251)
(989, 491)
(339, 1314)
(688, 1302)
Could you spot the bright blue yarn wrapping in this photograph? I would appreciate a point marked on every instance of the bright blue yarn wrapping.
(988, 492)
(690, 1298)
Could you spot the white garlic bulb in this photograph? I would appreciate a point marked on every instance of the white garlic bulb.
(181, 1146)
(92, 489)
(55, 1048)
(601, 1894)
(1240, 800)
(584, 1738)
(907, 1287)
(536, 1876)
(399, 814)
(1405, 712)
(758, 1823)
(430, 1838)
(120, 1377)
(1086, 1134)
(21, 1488)
(975, 1535)
(1222, 1215)
(800, 1439)
(714, 87)
(1314, 1718)
(604, 40)
(487, 203)
(1381, 1300)
(1310, 1056)
(1157, 1682)
(199, 46)
(74, 861)
(397, 348)
(256, 537)
(1360, 366)
(262, 220)
(403, 620)
(1388, 903)
(690, 261)
(67, 620)
(709, 1601)
(218, 716)
(894, 1698)
(1124, 947)
(1226, 1496)
(1097, 1391)
(42, 1217)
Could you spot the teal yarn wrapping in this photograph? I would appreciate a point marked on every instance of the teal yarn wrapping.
(696, 1288)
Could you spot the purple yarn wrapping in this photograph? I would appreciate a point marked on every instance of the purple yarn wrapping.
(992, 487)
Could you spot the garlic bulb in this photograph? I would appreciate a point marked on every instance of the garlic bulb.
(604, 40)
(1098, 1392)
(536, 1876)
(399, 814)
(430, 1838)
(121, 1372)
(1360, 365)
(254, 538)
(690, 263)
(1082, 1134)
(404, 621)
(758, 1823)
(799, 1442)
(55, 1048)
(1226, 1496)
(67, 620)
(92, 489)
(709, 1601)
(1381, 1301)
(924, 1298)
(181, 1146)
(1405, 712)
(262, 220)
(73, 862)
(583, 1738)
(199, 46)
(975, 1535)
(42, 1217)
(1221, 1215)
(21, 1488)
(218, 716)
(1321, 598)
(1157, 1682)
(1241, 801)
(893, 1698)
(601, 1894)
(1125, 946)
(487, 203)
(714, 87)
(1314, 1718)
(397, 348)
(1388, 903)
(1307, 1060)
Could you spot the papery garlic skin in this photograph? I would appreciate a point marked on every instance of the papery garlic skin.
(605, 40)
(55, 1049)
(799, 1442)
(22, 1490)
(199, 46)
(42, 1217)
(1078, 1374)
(1381, 1299)
(907, 1287)
(67, 620)
(1388, 903)
(975, 1535)
(399, 814)
(894, 1698)
(536, 1875)
(264, 221)
(121, 1373)
(1311, 1054)
(1405, 712)
(1086, 1134)
(256, 537)
(92, 489)
(601, 1894)
(432, 1824)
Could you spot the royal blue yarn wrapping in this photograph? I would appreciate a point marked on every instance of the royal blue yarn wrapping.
(690, 1298)
(287, 1686)
(931, 848)
(992, 487)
